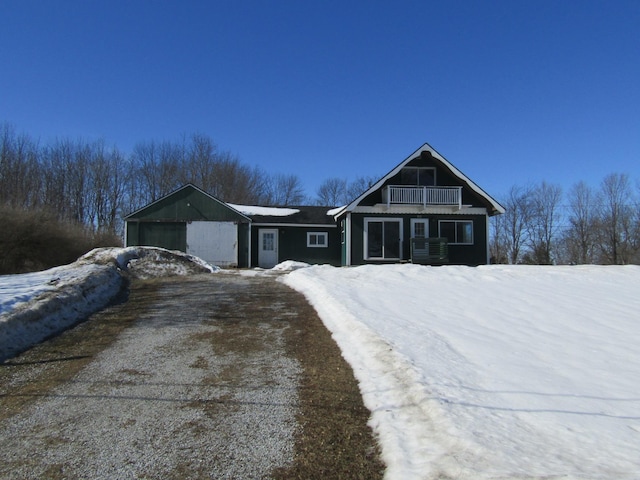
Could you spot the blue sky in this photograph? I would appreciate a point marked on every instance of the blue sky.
(511, 92)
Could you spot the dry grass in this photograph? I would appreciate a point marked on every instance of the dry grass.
(334, 441)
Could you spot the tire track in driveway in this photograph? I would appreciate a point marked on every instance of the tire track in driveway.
(215, 378)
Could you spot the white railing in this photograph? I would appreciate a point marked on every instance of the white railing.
(410, 195)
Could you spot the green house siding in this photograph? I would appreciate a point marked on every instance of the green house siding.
(474, 254)
(243, 245)
(292, 244)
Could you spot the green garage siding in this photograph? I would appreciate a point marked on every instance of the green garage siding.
(188, 204)
(186, 214)
(169, 235)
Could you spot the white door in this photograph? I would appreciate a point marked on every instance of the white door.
(214, 242)
(267, 247)
(419, 228)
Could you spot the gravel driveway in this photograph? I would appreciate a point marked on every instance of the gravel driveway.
(199, 381)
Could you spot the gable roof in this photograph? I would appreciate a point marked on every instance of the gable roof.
(186, 189)
(495, 206)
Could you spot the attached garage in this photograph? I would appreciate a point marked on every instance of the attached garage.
(192, 221)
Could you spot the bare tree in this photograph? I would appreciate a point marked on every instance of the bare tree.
(283, 190)
(580, 238)
(20, 174)
(109, 173)
(616, 219)
(337, 191)
(158, 167)
(541, 221)
(498, 244)
(514, 223)
(332, 192)
(358, 186)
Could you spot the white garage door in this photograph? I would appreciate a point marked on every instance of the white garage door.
(214, 242)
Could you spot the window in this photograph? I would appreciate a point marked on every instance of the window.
(419, 228)
(457, 231)
(424, 177)
(268, 241)
(318, 239)
(382, 238)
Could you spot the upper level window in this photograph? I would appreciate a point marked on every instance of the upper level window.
(317, 239)
(423, 176)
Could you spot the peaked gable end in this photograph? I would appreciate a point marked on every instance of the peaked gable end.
(188, 203)
(425, 167)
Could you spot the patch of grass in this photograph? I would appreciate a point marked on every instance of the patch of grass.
(334, 440)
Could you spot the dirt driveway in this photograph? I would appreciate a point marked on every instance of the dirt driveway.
(211, 376)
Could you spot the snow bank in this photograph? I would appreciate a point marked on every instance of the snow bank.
(35, 306)
(491, 372)
(289, 266)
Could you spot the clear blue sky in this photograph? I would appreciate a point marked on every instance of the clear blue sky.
(510, 92)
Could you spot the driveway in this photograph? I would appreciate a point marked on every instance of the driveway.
(211, 376)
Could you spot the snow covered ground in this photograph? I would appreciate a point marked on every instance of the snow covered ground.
(495, 371)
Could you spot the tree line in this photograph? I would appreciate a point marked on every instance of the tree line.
(587, 225)
(90, 186)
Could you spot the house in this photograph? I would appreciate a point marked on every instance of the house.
(423, 211)
(193, 221)
(306, 234)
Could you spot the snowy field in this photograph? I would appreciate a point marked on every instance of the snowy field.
(496, 372)
(493, 372)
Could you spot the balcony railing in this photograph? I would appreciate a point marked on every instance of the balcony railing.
(410, 195)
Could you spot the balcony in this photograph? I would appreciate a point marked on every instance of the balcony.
(425, 196)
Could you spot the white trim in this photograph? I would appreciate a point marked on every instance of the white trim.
(420, 220)
(298, 225)
(488, 246)
(347, 237)
(324, 235)
(249, 259)
(365, 236)
(456, 230)
(420, 210)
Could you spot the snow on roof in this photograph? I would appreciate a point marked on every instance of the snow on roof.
(335, 211)
(266, 211)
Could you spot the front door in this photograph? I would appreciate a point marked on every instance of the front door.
(419, 228)
(267, 247)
